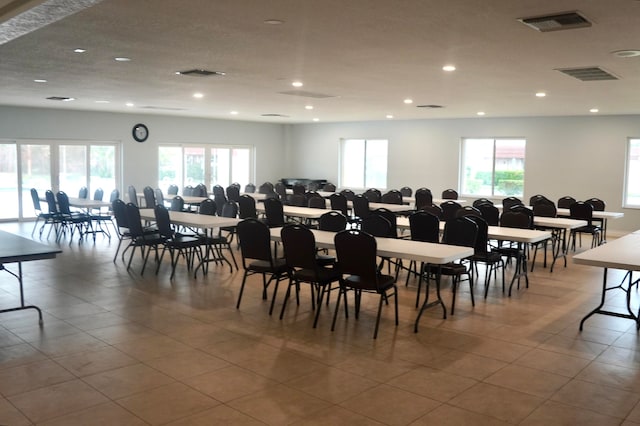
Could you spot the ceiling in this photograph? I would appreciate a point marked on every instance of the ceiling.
(366, 55)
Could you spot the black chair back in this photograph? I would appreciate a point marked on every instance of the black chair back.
(298, 200)
(119, 209)
(149, 197)
(509, 202)
(537, 199)
(373, 195)
(433, 209)
(159, 196)
(424, 198)
(317, 203)
(36, 200)
(115, 194)
(98, 194)
(208, 207)
(266, 188)
(177, 204)
(163, 222)
(565, 202)
(349, 194)
(339, 202)
(83, 193)
(361, 206)
(173, 189)
(424, 227)
(229, 209)
(515, 219)
(134, 223)
(249, 188)
(329, 187)
(299, 247)
(524, 210)
(51, 201)
(247, 207)
(220, 200)
(201, 190)
(597, 204)
(479, 201)
(545, 208)
(356, 253)
(391, 217)
(460, 231)
(450, 194)
(332, 221)
(274, 212)
(582, 211)
(299, 189)
(376, 225)
(255, 241)
(468, 211)
(63, 203)
(233, 193)
(406, 191)
(392, 197)
(490, 213)
(449, 209)
(217, 190)
(133, 196)
(482, 236)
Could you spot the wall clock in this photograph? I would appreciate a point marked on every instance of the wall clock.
(140, 132)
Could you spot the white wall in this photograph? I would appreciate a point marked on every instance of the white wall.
(579, 156)
(140, 159)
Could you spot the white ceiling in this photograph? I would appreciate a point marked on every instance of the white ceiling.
(368, 54)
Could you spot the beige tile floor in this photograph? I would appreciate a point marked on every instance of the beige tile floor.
(120, 349)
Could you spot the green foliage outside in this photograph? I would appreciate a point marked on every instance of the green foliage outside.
(507, 182)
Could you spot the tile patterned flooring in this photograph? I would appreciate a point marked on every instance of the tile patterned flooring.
(120, 349)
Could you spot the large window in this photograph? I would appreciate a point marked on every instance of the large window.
(184, 165)
(632, 178)
(492, 167)
(43, 165)
(363, 163)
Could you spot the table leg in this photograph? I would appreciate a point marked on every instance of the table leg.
(521, 269)
(605, 289)
(428, 304)
(22, 305)
(560, 248)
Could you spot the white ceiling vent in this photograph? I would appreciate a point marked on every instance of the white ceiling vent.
(306, 94)
(556, 22)
(60, 98)
(588, 73)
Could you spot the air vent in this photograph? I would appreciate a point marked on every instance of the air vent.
(61, 98)
(588, 73)
(306, 94)
(160, 108)
(430, 106)
(560, 21)
(274, 115)
(201, 73)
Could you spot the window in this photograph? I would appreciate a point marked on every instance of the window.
(492, 167)
(632, 175)
(184, 165)
(363, 163)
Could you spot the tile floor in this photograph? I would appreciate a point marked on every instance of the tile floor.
(120, 349)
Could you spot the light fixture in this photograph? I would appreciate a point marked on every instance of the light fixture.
(101, 102)
(449, 68)
(541, 94)
(234, 113)
(79, 50)
(198, 95)
(308, 107)
(297, 84)
(627, 53)
(273, 21)
(40, 80)
(594, 110)
(68, 99)
(389, 116)
(129, 104)
(408, 101)
(316, 119)
(122, 59)
(480, 113)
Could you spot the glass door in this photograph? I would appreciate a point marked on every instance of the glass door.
(10, 208)
(35, 162)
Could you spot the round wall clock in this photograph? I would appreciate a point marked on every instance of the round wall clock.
(140, 132)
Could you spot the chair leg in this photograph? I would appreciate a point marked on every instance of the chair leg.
(335, 312)
(244, 280)
(286, 297)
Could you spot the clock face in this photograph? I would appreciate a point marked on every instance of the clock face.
(140, 132)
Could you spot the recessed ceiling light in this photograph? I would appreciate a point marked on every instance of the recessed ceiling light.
(129, 104)
(541, 94)
(79, 50)
(39, 80)
(68, 99)
(449, 68)
(594, 110)
(389, 116)
(297, 84)
(408, 101)
(102, 102)
(308, 107)
(629, 53)
(122, 59)
(273, 21)
(480, 113)
(198, 95)
(316, 119)
(234, 113)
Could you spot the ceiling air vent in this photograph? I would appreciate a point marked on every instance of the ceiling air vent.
(588, 73)
(61, 98)
(201, 73)
(274, 115)
(306, 94)
(431, 106)
(559, 21)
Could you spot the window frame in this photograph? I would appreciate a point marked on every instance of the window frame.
(627, 168)
(343, 160)
(462, 166)
(180, 181)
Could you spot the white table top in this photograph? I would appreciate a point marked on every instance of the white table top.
(194, 220)
(400, 248)
(83, 203)
(295, 211)
(501, 233)
(188, 199)
(255, 195)
(621, 253)
(596, 214)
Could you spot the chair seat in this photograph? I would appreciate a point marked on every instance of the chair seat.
(489, 257)
(590, 229)
(262, 266)
(180, 240)
(448, 269)
(384, 282)
(324, 275)
(325, 260)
